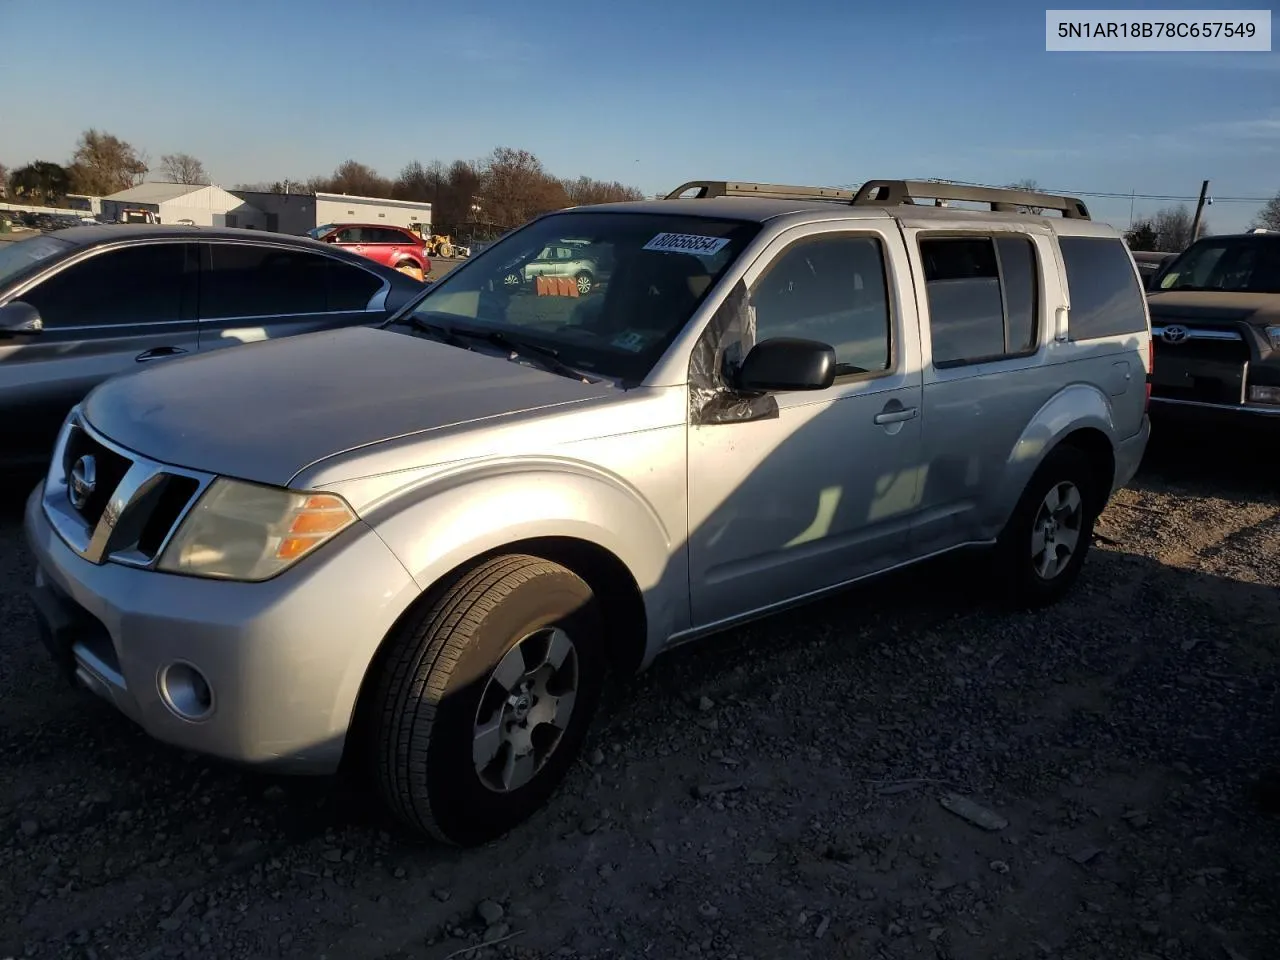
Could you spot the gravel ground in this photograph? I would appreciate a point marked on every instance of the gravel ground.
(780, 791)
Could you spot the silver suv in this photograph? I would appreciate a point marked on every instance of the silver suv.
(565, 258)
(419, 547)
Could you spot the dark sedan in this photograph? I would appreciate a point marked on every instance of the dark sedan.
(87, 303)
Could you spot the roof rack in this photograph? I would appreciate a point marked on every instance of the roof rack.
(889, 193)
(771, 191)
(892, 193)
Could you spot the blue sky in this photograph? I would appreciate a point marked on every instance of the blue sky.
(651, 93)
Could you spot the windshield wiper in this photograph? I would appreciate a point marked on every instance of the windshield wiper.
(546, 357)
(441, 331)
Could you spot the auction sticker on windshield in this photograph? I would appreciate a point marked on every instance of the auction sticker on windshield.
(687, 243)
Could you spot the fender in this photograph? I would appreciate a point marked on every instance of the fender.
(1074, 407)
(473, 509)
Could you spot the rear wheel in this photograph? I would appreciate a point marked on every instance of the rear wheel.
(484, 699)
(1044, 544)
(412, 269)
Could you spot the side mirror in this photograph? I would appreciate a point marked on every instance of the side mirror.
(18, 319)
(787, 363)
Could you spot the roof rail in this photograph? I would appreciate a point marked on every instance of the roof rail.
(772, 191)
(892, 193)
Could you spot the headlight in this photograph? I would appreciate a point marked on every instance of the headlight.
(244, 531)
(1273, 334)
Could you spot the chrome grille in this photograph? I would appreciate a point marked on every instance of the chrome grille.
(111, 504)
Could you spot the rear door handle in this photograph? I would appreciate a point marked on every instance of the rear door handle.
(897, 416)
(158, 353)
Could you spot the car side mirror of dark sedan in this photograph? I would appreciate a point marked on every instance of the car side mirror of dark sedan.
(787, 363)
(18, 319)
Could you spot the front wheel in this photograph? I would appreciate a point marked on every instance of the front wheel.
(585, 282)
(1044, 544)
(484, 699)
(411, 269)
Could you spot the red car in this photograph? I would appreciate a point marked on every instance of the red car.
(394, 247)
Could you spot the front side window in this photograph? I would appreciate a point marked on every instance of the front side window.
(983, 297)
(829, 289)
(243, 280)
(1244, 265)
(127, 285)
(630, 291)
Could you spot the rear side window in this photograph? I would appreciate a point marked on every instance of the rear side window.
(137, 284)
(249, 281)
(1106, 300)
(983, 298)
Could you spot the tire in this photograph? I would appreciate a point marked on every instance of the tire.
(512, 281)
(446, 250)
(411, 269)
(438, 686)
(585, 282)
(1034, 578)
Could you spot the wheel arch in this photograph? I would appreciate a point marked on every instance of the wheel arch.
(1080, 416)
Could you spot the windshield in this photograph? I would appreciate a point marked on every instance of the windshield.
(317, 232)
(606, 291)
(1240, 264)
(17, 258)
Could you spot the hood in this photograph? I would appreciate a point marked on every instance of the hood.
(263, 411)
(1220, 306)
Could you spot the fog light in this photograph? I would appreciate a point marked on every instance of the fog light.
(1264, 394)
(186, 692)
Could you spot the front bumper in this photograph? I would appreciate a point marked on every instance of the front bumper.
(283, 659)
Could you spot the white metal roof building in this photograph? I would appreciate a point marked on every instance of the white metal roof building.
(203, 205)
(344, 208)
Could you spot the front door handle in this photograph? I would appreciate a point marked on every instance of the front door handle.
(158, 353)
(897, 416)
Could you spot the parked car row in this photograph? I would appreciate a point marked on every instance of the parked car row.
(418, 545)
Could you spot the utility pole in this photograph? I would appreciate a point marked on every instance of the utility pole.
(1195, 222)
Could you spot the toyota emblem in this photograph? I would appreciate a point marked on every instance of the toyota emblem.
(1174, 334)
(82, 481)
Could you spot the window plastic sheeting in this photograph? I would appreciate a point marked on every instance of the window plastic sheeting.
(720, 351)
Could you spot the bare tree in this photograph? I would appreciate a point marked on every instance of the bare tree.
(104, 164)
(1173, 228)
(516, 188)
(1030, 186)
(358, 179)
(183, 168)
(1268, 217)
(585, 190)
(4, 181)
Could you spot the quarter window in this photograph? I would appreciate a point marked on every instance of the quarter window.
(350, 288)
(983, 298)
(137, 284)
(1106, 299)
(832, 290)
(250, 281)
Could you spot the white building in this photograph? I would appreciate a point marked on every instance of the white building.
(205, 206)
(343, 208)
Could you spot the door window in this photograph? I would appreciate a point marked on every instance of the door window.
(983, 298)
(136, 284)
(833, 290)
(244, 280)
(350, 288)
